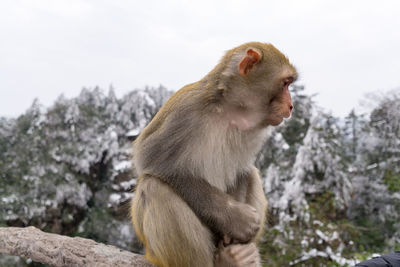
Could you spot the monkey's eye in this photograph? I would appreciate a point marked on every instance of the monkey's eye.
(287, 81)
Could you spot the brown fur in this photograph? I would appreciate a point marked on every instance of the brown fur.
(195, 159)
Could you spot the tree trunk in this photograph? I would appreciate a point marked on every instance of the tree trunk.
(58, 250)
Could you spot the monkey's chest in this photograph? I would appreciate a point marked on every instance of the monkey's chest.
(219, 156)
(221, 169)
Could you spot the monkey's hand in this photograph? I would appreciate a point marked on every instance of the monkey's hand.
(237, 255)
(243, 222)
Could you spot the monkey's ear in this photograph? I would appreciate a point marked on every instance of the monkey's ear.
(251, 58)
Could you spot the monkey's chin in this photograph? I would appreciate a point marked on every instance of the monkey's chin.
(273, 121)
(276, 123)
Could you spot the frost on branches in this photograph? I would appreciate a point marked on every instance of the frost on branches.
(66, 169)
(333, 185)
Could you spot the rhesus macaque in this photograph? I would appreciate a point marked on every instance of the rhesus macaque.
(199, 200)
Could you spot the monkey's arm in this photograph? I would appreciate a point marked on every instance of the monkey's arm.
(255, 197)
(249, 190)
(255, 194)
(218, 210)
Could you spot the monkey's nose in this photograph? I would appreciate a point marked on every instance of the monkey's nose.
(291, 107)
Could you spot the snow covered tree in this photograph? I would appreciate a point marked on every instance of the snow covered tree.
(375, 207)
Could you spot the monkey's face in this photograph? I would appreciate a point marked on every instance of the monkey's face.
(280, 105)
(260, 108)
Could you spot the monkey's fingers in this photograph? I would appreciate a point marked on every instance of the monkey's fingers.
(220, 245)
(227, 240)
(249, 232)
(245, 236)
(248, 254)
(244, 255)
(242, 251)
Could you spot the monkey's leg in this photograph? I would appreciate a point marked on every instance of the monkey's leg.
(171, 233)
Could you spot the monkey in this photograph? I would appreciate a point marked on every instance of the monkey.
(199, 199)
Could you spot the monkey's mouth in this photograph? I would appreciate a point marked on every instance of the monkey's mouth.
(287, 115)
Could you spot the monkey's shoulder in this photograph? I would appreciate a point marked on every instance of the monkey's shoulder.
(181, 110)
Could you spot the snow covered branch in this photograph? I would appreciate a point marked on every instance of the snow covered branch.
(58, 250)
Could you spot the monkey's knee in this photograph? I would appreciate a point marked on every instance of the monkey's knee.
(171, 232)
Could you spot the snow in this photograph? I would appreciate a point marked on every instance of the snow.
(134, 132)
(123, 165)
(10, 199)
(304, 243)
(322, 235)
(73, 194)
(114, 198)
(372, 166)
(319, 223)
(128, 184)
(313, 253)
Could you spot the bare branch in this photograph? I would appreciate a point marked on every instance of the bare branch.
(58, 250)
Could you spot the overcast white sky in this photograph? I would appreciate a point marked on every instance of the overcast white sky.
(342, 49)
